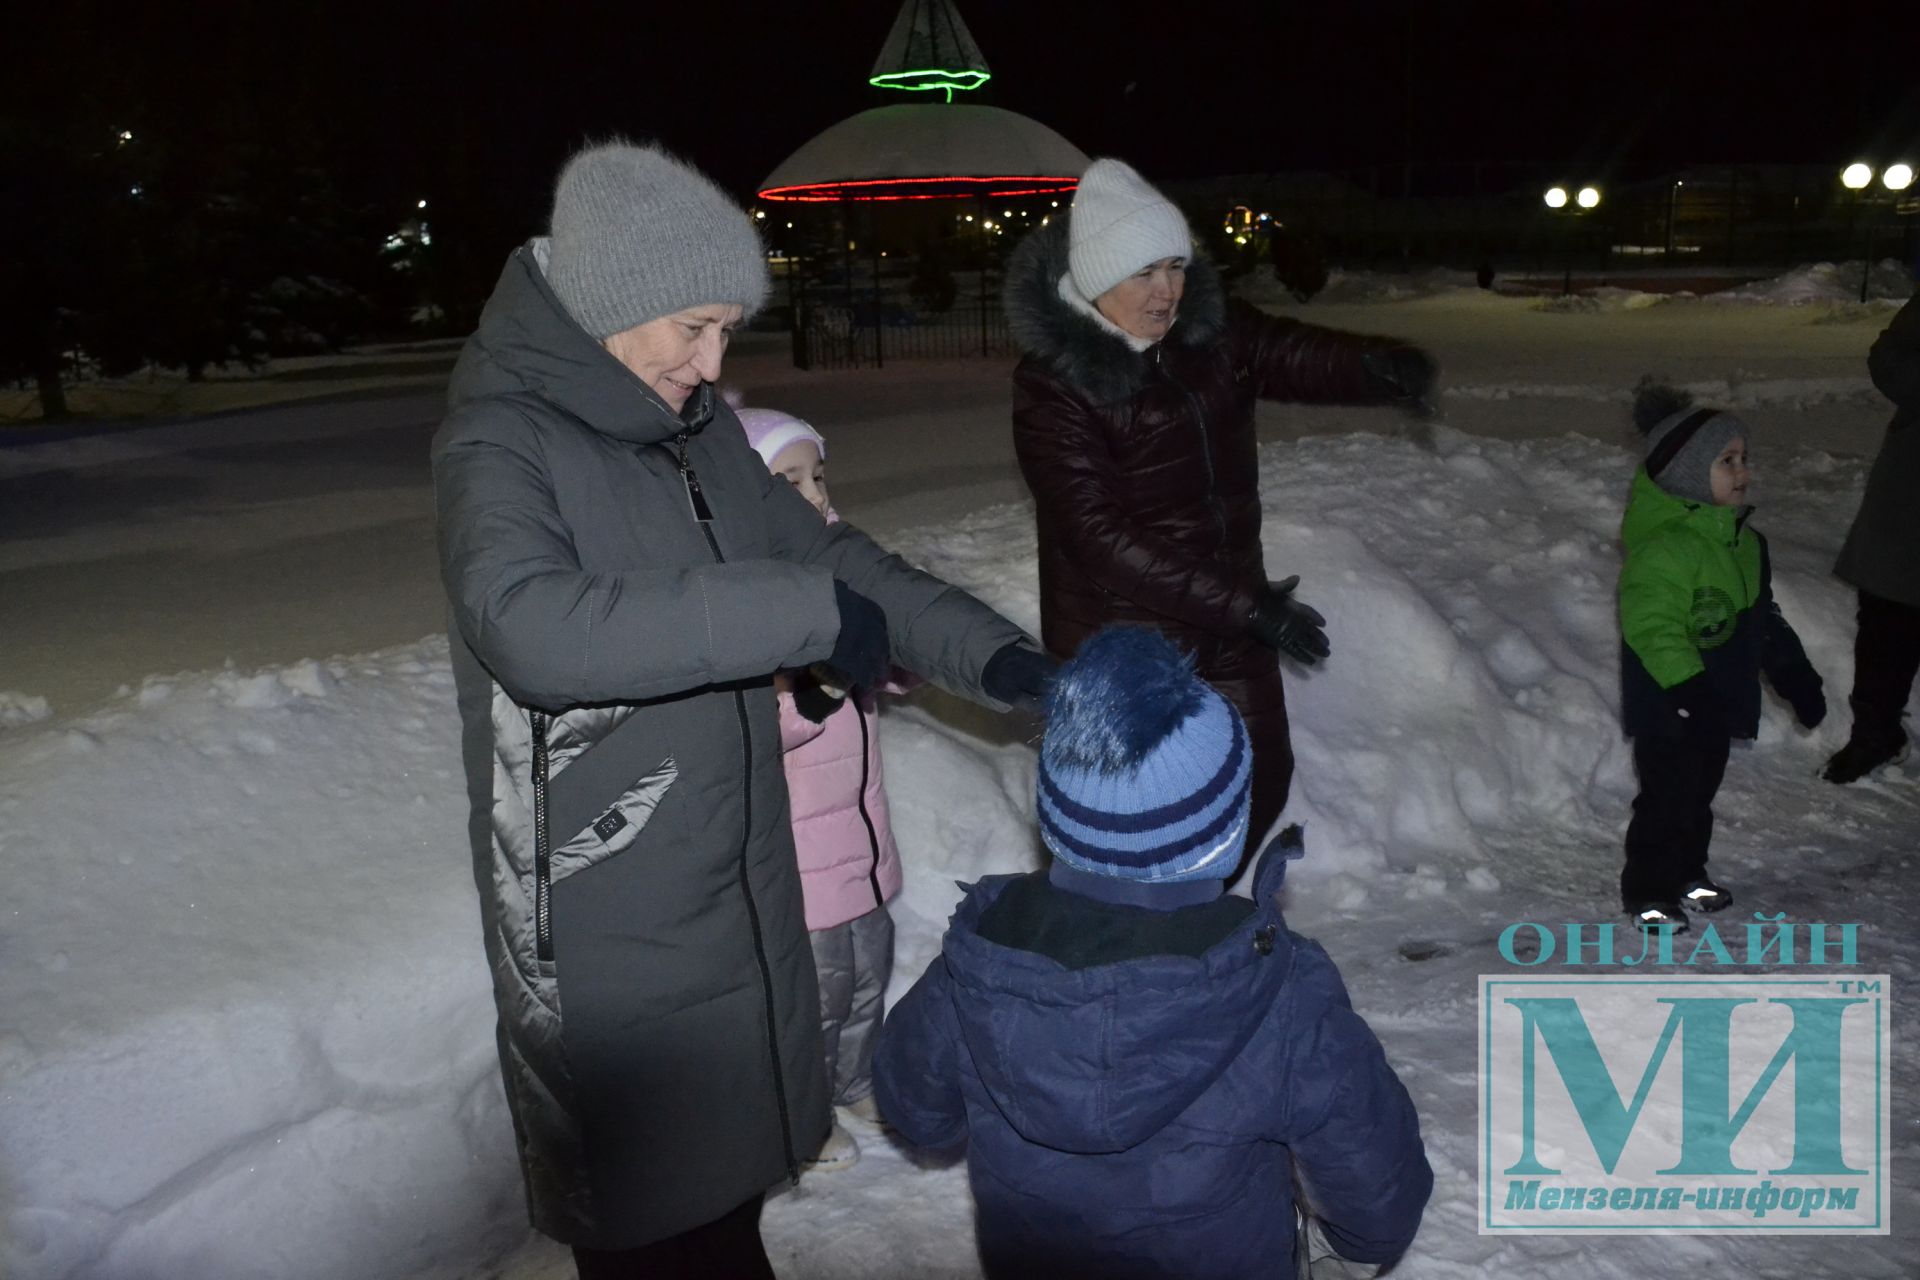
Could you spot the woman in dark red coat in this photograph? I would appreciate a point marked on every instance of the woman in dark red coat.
(1133, 421)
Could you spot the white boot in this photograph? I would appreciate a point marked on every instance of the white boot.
(839, 1151)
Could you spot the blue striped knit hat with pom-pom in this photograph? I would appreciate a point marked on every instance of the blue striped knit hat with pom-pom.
(1145, 771)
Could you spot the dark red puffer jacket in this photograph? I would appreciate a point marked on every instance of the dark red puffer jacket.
(1143, 465)
(1145, 475)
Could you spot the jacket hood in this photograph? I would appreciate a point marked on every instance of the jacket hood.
(1651, 509)
(1072, 344)
(527, 344)
(1099, 1060)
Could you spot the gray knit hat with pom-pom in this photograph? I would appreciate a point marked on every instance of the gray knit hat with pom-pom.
(638, 234)
(1682, 440)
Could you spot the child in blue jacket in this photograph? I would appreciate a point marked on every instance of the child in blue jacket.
(1148, 1071)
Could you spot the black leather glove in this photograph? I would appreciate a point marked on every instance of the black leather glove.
(1404, 377)
(1019, 676)
(1281, 622)
(860, 650)
(1697, 706)
(812, 701)
(1801, 686)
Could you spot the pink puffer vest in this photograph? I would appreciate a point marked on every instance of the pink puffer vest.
(848, 863)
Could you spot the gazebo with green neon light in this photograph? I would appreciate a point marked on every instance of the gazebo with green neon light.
(928, 150)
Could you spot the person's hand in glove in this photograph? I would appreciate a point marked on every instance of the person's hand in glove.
(1404, 377)
(1019, 676)
(812, 700)
(859, 654)
(1801, 687)
(1281, 622)
(1697, 706)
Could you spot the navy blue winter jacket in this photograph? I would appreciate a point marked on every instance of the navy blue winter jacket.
(1149, 1117)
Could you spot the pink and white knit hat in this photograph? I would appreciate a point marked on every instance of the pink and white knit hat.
(770, 430)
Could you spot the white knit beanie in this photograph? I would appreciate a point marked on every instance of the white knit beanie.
(638, 234)
(1119, 225)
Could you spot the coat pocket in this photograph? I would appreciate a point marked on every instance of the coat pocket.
(615, 828)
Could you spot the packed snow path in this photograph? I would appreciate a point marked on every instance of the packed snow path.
(244, 1026)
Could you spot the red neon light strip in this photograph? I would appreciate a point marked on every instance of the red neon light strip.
(956, 195)
(814, 190)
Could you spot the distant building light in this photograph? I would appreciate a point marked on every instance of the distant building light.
(1897, 177)
(1239, 239)
(760, 215)
(1856, 175)
(125, 136)
(421, 205)
(136, 190)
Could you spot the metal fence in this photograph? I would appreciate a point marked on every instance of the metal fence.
(863, 337)
(1390, 217)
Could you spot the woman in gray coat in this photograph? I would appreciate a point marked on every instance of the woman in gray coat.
(625, 577)
(1882, 559)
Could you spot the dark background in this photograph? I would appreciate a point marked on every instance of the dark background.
(277, 145)
(416, 99)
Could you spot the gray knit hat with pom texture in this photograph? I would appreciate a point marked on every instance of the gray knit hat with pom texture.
(1683, 441)
(638, 234)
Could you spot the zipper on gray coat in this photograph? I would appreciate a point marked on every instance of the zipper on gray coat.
(703, 515)
(542, 849)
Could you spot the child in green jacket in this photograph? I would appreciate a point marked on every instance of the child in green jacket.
(1700, 624)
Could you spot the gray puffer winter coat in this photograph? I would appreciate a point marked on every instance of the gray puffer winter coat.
(1882, 551)
(659, 1032)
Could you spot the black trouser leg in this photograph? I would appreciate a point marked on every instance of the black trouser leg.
(728, 1246)
(1886, 654)
(1672, 816)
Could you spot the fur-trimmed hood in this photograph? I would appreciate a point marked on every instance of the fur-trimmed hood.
(1072, 344)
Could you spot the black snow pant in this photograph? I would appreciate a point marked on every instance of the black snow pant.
(1886, 654)
(1673, 814)
(1262, 702)
(728, 1246)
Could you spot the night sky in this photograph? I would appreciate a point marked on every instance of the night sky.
(477, 103)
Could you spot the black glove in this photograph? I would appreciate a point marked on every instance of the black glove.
(814, 702)
(860, 650)
(1019, 676)
(1403, 377)
(1801, 687)
(1697, 706)
(1281, 622)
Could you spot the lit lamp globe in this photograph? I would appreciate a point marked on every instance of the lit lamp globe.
(1897, 177)
(1856, 176)
(1589, 197)
(1556, 197)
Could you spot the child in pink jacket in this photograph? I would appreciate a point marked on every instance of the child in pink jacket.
(848, 864)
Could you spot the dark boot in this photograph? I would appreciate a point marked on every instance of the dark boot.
(1886, 654)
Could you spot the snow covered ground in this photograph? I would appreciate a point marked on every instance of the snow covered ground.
(244, 1026)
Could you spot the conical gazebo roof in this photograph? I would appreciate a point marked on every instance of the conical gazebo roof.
(928, 150)
(929, 48)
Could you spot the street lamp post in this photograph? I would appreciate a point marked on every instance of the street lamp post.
(1855, 178)
(1556, 199)
(1673, 196)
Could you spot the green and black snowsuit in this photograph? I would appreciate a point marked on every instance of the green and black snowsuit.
(1699, 625)
(1696, 598)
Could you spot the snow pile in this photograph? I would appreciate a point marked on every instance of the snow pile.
(17, 709)
(244, 1022)
(1733, 392)
(1890, 280)
(1606, 298)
